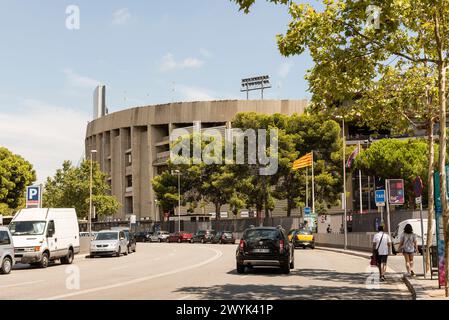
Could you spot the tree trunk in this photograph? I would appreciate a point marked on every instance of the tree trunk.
(431, 188)
(289, 206)
(217, 215)
(443, 136)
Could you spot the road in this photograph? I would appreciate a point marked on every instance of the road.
(198, 271)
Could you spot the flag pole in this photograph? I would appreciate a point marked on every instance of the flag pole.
(307, 187)
(313, 185)
(360, 185)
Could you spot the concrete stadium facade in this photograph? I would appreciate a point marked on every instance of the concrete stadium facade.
(133, 146)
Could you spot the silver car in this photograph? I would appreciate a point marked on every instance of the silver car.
(162, 236)
(109, 243)
(6, 251)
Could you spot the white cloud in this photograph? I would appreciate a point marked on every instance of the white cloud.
(75, 80)
(43, 134)
(121, 16)
(169, 63)
(284, 69)
(190, 93)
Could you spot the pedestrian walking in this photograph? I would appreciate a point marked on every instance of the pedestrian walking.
(329, 229)
(342, 229)
(408, 245)
(381, 246)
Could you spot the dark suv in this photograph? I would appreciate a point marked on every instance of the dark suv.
(265, 246)
(203, 236)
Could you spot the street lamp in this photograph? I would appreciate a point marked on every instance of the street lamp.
(344, 182)
(90, 190)
(179, 198)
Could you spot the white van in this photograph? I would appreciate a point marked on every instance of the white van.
(416, 225)
(44, 235)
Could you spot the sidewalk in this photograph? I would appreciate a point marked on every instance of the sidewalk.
(420, 288)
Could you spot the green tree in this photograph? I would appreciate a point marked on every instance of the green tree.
(70, 188)
(395, 159)
(413, 32)
(15, 175)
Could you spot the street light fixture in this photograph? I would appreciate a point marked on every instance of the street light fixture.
(90, 190)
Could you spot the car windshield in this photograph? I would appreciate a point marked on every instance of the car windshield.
(292, 231)
(27, 228)
(304, 232)
(258, 234)
(107, 236)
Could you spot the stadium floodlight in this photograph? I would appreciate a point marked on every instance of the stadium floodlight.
(255, 83)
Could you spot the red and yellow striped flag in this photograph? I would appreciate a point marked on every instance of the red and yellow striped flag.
(303, 162)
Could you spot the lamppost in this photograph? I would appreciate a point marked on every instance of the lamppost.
(344, 182)
(90, 190)
(179, 198)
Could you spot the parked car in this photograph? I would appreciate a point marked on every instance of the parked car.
(223, 237)
(416, 225)
(180, 237)
(44, 235)
(203, 236)
(143, 236)
(109, 243)
(130, 237)
(304, 238)
(163, 236)
(6, 251)
(265, 246)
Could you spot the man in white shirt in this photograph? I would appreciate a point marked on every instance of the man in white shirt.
(381, 248)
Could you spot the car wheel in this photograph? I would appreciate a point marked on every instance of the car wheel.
(286, 268)
(69, 258)
(240, 268)
(44, 262)
(6, 266)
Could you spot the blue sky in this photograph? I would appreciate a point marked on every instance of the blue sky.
(145, 52)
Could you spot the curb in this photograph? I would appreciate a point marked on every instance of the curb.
(367, 255)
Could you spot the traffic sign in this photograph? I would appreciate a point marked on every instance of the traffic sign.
(418, 200)
(307, 211)
(33, 197)
(418, 187)
(380, 198)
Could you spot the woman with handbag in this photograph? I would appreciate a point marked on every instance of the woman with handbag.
(408, 245)
(381, 249)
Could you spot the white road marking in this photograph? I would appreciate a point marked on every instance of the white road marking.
(217, 255)
(21, 284)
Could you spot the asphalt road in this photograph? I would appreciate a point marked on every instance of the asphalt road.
(197, 271)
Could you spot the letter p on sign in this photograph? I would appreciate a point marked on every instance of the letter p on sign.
(33, 197)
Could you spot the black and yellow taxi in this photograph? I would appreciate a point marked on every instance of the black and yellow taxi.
(303, 238)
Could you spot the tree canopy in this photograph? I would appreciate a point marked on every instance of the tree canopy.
(15, 175)
(70, 188)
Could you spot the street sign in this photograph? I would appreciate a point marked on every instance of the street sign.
(307, 211)
(418, 187)
(380, 198)
(396, 191)
(418, 200)
(132, 219)
(33, 197)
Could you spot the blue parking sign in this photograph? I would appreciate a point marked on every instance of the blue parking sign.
(33, 197)
(307, 211)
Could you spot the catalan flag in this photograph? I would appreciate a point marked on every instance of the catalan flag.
(303, 162)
